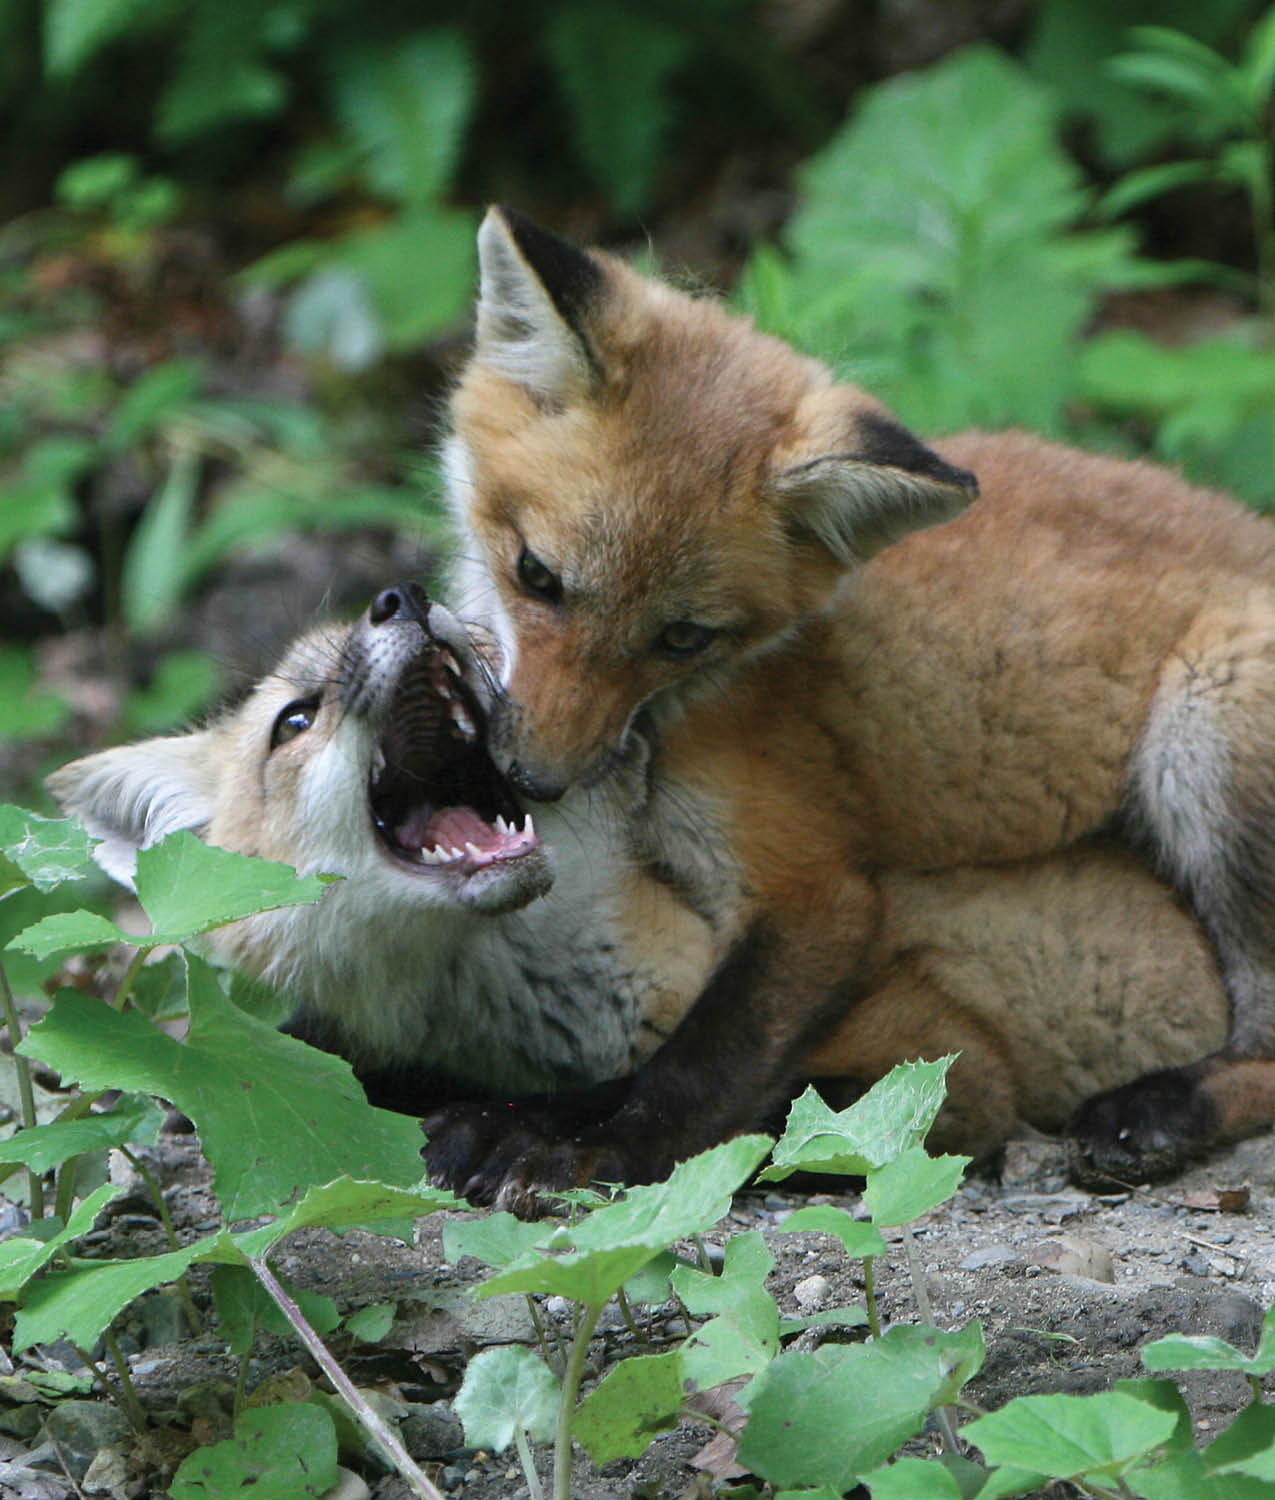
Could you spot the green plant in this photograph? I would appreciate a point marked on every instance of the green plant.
(1213, 402)
(935, 253)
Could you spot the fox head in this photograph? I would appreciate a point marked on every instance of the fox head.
(363, 753)
(649, 491)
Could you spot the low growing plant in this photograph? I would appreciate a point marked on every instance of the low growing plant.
(292, 1143)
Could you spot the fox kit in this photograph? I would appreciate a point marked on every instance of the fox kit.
(679, 527)
(443, 956)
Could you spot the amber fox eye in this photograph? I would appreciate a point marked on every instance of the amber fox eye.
(540, 582)
(684, 638)
(299, 715)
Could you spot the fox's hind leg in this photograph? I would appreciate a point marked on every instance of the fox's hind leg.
(1201, 799)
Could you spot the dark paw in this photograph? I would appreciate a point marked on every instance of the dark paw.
(1145, 1131)
(514, 1156)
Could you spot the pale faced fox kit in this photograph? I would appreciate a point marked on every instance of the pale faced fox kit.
(681, 529)
(444, 952)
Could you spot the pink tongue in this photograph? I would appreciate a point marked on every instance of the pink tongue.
(452, 828)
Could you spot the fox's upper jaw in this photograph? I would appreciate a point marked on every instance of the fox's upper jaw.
(362, 754)
(648, 490)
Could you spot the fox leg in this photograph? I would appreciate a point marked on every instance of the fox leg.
(1201, 797)
(735, 1058)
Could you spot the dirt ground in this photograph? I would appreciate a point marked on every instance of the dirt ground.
(1068, 1287)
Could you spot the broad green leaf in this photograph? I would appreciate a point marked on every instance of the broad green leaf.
(81, 1303)
(504, 1390)
(151, 577)
(277, 1453)
(345, 1203)
(1178, 1351)
(1164, 1395)
(187, 888)
(134, 1120)
(1247, 1446)
(22, 1255)
(833, 1416)
(638, 1399)
(722, 1349)
(47, 851)
(274, 1116)
(1068, 1437)
(858, 1239)
(590, 1260)
(743, 1337)
(912, 1479)
(495, 1239)
(893, 1116)
(240, 1299)
(406, 104)
(911, 1185)
(153, 399)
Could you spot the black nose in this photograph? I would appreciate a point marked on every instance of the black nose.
(401, 601)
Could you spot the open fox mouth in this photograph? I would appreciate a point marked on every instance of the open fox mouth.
(436, 798)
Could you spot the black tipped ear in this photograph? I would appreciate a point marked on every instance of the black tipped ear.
(535, 293)
(876, 485)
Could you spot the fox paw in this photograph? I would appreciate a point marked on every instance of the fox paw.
(516, 1158)
(1144, 1131)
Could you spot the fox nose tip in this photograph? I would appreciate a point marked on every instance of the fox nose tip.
(534, 785)
(401, 601)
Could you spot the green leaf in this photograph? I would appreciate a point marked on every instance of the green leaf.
(274, 1116)
(27, 711)
(134, 1120)
(891, 1118)
(240, 1301)
(743, 1337)
(277, 1453)
(614, 64)
(406, 105)
(183, 682)
(495, 1239)
(832, 1416)
(66, 931)
(22, 1255)
(81, 1303)
(153, 400)
(505, 1390)
(638, 1399)
(858, 1239)
(1177, 1351)
(151, 578)
(589, 1261)
(1067, 1437)
(370, 1324)
(912, 1479)
(47, 851)
(911, 1185)
(1247, 1446)
(1135, 188)
(75, 29)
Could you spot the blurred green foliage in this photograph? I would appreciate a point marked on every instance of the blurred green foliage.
(966, 239)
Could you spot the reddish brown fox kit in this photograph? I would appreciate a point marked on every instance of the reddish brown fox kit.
(444, 951)
(680, 527)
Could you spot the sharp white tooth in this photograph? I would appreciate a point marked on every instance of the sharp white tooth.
(454, 853)
(430, 857)
(463, 722)
(378, 761)
(499, 825)
(473, 851)
(529, 828)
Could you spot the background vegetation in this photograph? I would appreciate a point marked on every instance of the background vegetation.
(236, 260)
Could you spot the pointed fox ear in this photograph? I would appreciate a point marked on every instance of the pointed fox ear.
(134, 795)
(865, 481)
(534, 294)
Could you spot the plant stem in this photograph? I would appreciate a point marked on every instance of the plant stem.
(528, 1464)
(35, 1183)
(626, 1312)
(183, 1286)
(588, 1320)
(870, 1296)
(344, 1386)
(942, 1414)
(132, 1406)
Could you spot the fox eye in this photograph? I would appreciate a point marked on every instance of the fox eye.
(539, 581)
(295, 719)
(684, 638)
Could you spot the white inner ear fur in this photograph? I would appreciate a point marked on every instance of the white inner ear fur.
(135, 795)
(856, 509)
(521, 334)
